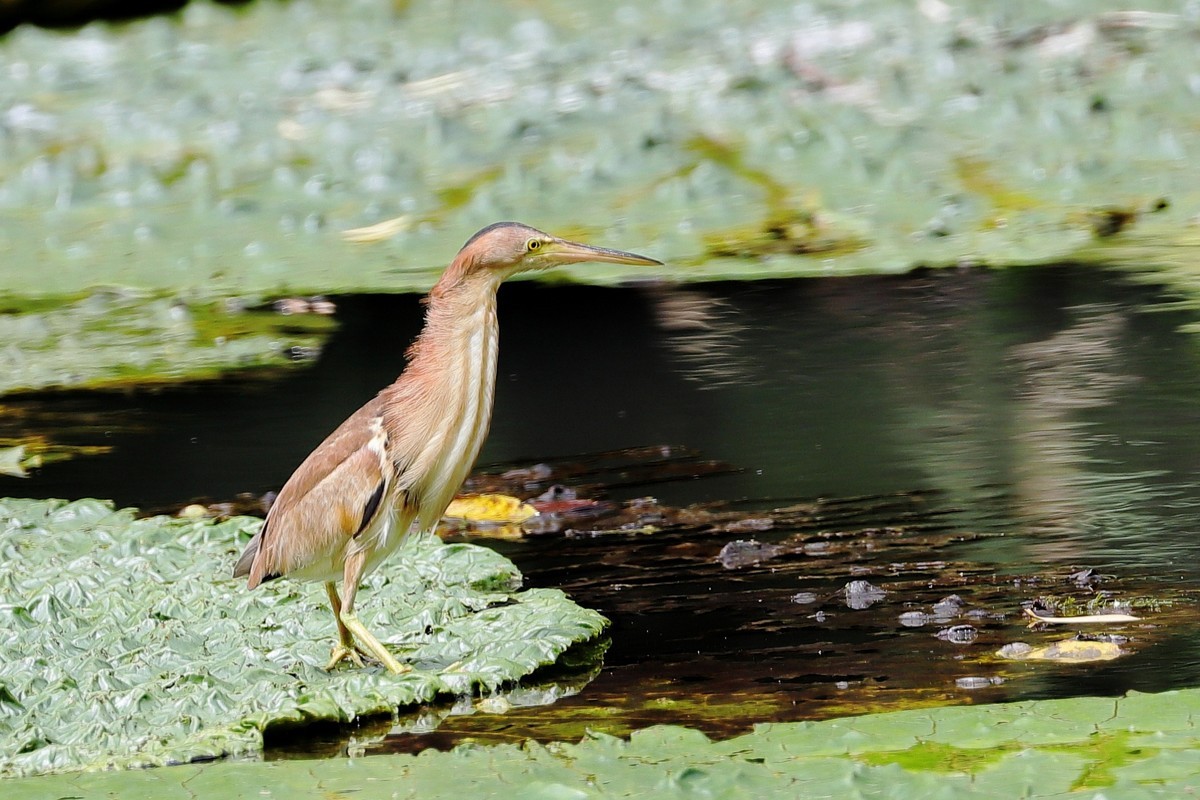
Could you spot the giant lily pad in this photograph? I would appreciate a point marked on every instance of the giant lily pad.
(126, 643)
(1118, 748)
(863, 138)
(114, 338)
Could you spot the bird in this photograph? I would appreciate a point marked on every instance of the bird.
(395, 464)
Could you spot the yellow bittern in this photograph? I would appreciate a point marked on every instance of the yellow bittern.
(398, 460)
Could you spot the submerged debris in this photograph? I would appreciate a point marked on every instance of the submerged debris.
(1111, 638)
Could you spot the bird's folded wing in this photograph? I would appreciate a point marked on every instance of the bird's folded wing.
(332, 497)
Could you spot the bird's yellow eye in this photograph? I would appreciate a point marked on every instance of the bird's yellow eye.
(532, 245)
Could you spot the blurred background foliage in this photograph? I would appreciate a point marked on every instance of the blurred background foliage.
(200, 164)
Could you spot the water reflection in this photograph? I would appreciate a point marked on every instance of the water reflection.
(701, 330)
(1077, 368)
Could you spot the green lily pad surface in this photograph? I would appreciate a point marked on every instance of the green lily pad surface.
(731, 141)
(1138, 746)
(126, 643)
(115, 338)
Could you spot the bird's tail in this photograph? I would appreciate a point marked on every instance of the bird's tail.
(242, 567)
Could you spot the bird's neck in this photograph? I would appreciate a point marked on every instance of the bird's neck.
(449, 381)
(458, 310)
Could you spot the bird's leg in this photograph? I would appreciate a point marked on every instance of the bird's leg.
(345, 648)
(349, 621)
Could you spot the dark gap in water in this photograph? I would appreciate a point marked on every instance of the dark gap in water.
(999, 429)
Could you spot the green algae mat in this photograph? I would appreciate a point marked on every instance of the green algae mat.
(126, 643)
(1139, 746)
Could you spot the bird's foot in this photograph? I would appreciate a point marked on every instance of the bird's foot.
(342, 652)
(359, 658)
(394, 666)
(372, 645)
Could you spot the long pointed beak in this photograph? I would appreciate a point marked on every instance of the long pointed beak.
(563, 252)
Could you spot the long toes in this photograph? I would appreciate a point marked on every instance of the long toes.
(342, 653)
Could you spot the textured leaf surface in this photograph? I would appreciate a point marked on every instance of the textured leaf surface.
(1119, 749)
(119, 338)
(865, 138)
(126, 643)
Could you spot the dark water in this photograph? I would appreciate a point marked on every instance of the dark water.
(1047, 418)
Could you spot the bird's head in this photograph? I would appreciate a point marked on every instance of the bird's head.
(506, 248)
